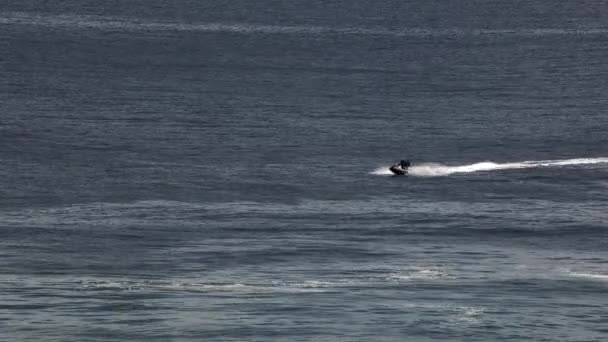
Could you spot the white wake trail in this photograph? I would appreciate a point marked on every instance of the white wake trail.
(436, 169)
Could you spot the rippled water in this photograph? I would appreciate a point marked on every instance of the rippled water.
(219, 171)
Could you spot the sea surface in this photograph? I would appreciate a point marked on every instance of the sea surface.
(218, 170)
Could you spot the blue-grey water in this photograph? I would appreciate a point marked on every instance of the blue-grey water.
(217, 170)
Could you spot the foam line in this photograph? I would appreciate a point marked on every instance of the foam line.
(437, 169)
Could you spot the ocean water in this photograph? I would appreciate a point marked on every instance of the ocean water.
(218, 170)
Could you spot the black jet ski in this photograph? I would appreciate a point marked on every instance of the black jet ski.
(400, 169)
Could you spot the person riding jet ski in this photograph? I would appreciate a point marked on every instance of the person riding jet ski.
(400, 168)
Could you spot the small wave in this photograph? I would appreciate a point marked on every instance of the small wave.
(112, 285)
(186, 286)
(467, 315)
(194, 286)
(313, 284)
(436, 169)
(422, 274)
(133, 285)
(270, 286)
(132, 24)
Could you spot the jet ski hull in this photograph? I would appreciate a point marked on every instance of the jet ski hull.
(398, 171)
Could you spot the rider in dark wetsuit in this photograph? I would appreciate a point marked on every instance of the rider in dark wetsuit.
(405, 164)
(400, 168)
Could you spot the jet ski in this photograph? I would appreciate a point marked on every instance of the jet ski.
(400, 169)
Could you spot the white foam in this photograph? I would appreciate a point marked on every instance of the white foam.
(436, 169)
(382, 171)
(592, 276)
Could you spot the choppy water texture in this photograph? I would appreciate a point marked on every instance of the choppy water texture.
(218, 170)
